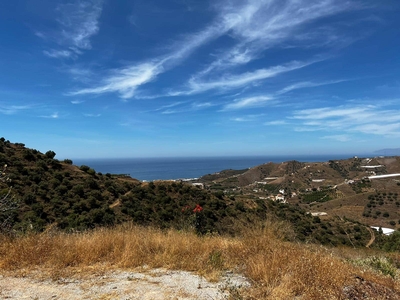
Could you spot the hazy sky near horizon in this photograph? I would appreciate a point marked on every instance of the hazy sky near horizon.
(145, 78)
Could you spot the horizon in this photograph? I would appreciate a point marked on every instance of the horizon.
(275, 156)
(185, 168)
(100, 78)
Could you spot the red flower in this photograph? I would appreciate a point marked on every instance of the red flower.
(197, 209)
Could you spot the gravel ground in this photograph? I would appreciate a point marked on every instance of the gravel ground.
(154, 284)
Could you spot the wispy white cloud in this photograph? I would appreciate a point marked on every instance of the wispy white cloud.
(253, 27)
(184, 107)
(247, 102)
(77, 101)
(307, 84)
(125, 81)
(368, 119)
(247, 118)
(170, 105)
(54, 115)
(40, 34)
(276, 123)
(171, 111)
(276, 19)
(390, 129)
(262, 24)
(356, 113)
(338, 137)
(306, 129)
(92, 115)
(80, 74)
(257, 26)
(240, 119)
(202, 105)
(51, 116)
(78, 21)
(58, 53)
(243, 79)
(256, 101)
(12, 109)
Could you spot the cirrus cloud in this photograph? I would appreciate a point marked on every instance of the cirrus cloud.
(368, 119)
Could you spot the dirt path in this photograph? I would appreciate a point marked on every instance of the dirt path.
(155, 284)
(371, 231)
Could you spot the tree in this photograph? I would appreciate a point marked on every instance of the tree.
(50, 154)
(8, 204)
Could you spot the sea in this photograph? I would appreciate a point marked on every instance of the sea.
(185, 168)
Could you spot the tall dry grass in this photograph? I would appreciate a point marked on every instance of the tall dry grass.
(277, 269)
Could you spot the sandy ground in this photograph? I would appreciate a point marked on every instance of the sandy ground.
(153, 284)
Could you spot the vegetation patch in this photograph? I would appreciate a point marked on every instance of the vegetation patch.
(315, 195)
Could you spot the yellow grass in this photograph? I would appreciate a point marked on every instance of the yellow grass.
(277, 269)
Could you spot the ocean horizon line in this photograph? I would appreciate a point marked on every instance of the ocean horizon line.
(176, 168)
(338, 155)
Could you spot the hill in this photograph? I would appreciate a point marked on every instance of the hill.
(56, 194)
(365, 190)
(259, 224)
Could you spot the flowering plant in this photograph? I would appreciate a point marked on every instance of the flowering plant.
(193, 218)
(197, 209)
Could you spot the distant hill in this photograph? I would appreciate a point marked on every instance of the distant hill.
(388, 151)
(339, 188)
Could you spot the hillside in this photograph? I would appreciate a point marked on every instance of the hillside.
(55, 194)
(348, 188)
(231, 228)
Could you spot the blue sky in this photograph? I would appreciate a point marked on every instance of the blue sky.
(145, 78)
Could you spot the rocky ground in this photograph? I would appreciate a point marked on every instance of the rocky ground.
(152, 284)
(367, 290)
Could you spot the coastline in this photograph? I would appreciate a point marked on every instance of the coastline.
(189, 168)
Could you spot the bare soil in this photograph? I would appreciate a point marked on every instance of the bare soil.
(148, 284)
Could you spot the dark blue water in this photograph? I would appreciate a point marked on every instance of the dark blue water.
(149, 169)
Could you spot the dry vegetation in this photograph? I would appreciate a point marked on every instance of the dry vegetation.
(226, 233)
(276, 268)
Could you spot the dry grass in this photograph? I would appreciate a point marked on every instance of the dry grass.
(277, 269)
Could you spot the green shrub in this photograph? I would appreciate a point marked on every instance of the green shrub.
(50, 154)
(84, 168)
(379, 264)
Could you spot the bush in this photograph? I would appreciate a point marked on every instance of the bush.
(380, 264)
(68, 161)
(28, 155)
(91, 172)
(50, 154)
(84, 168)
